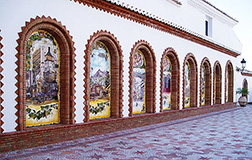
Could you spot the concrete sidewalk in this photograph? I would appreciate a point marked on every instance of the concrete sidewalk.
(223, 135)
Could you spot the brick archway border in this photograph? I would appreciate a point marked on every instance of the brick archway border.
(208, 87)
(116, 73)
(150, 59)
(230, 71)
(175, 79)
(67, 59)
(193, 80)
(217, 73)
(1, 85)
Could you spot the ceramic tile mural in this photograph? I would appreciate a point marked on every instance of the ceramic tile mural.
(187, 85)
(42, 79)
(139, 78)
(227, 84)
(215, 88)
(99, 105)
(203, 86)
(166, 95)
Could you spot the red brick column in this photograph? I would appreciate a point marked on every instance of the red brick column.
(1, 85)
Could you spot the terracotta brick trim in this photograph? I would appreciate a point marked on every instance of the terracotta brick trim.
(67, 59)
(246, 74)
(158, 24)
(217, 75)
(208, 83)
(1, 85)
(150, 80)
(116, 72)
(175, 78)
(193, 80)
(229, 70)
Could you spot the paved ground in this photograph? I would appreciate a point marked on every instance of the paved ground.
(220, 135)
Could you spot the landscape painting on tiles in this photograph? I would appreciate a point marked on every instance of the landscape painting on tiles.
(99, 105)
(203, 86)
(227, 84)
(214, 89)
(139, 66)
(42, 79)
(187, 85)
(166, 95)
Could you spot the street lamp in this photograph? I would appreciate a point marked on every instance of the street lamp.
(243, 62)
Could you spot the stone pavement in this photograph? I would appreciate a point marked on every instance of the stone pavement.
(220, 135)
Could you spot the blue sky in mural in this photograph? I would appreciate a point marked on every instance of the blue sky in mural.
(242, 11)
(98, 62)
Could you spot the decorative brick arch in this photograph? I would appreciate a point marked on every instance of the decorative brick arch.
(217, 81)
(208, 85)
(245, 85)
(175, 78)
(229, 71)
(116, 65)
(1, 85)
(150, 91)
(67, 59)
(193, 80)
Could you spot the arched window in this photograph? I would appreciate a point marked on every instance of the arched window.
(142, 79)
(1, 85)
(229, 82)
(217, 83)
(103, 77)
(46, 65)
(190, 82)
(169, 96)
(205, 82)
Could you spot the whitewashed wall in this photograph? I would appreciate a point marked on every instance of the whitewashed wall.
(82, 22)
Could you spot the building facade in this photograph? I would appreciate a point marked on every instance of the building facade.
(77, 62)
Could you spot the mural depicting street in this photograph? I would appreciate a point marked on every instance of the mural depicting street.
(42, 79)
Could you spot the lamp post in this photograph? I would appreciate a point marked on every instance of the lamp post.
(243, 62)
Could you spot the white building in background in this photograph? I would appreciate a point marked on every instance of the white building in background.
(190, 33)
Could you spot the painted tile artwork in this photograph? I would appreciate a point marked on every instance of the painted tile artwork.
(42, 79)
(166, 95)
(99, 105)
(187, 85)
(203, 86)
(215, 89)
(139, 66)
(227, 84)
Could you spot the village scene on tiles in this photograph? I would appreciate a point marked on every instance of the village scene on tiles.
(203, 86)
(166, 95)
(187, 84)
(100, 83)
(42, 79)
(139, 78)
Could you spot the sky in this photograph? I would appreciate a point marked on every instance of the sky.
(241, 10)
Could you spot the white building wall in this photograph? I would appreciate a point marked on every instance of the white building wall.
(82, 22)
